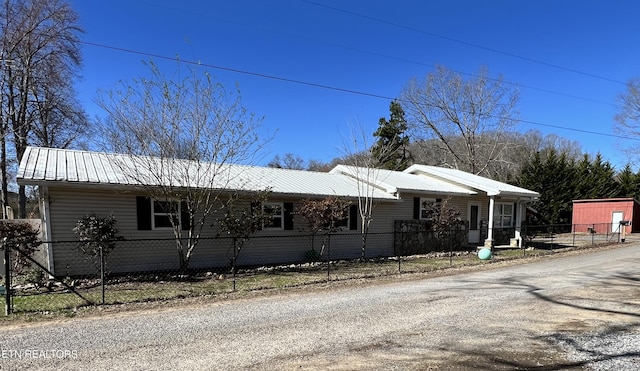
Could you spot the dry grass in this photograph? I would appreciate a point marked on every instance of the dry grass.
(126, 291)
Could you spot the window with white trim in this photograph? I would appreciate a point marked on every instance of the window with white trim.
(503, 215)
(276, 209)
(154, 214)
(162, 212)
(425, 202)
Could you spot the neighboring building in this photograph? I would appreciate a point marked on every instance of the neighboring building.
(75, 183)
(605, 215)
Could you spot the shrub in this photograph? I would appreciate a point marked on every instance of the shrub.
(96, 234)
(20, 236)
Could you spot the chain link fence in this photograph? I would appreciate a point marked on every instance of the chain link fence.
(62, 278)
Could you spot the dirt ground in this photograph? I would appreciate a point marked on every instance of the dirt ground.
(528, 342)
(521, 337)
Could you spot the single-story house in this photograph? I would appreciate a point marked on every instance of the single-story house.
(606, 215)
(74, 183)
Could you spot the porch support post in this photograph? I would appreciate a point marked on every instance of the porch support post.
(518, 221)
(489, 241)
(46, 226)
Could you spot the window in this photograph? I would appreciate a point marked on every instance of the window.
(419, 203)
(277, 215)
(425, 204)
(351, 221)
(474, 211)
(162, 212)
(342, 223)
(503, 215)
(155, 214)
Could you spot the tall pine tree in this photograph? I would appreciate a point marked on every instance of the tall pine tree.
(561, 180)
(391, 147)
(629, 182)
(552, 175)
(596, 179)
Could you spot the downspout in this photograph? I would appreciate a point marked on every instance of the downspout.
(46, 225)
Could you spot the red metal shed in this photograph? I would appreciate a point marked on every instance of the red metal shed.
(605, 215)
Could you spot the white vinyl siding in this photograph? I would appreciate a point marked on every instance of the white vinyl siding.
(155, 249)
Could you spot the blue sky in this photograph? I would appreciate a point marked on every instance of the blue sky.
(570, 58)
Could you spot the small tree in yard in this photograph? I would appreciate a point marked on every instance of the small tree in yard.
(364, 160)
(323, 215)
(442, 220)
(179, 137)
(240, 221)
(98, 236)
(20, 236)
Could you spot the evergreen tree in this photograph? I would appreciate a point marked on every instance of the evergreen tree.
(391, 146)
(560, 180)
(596, 179)
(553, 176)
(628, 181)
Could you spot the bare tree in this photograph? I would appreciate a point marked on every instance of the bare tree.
(360, 154)
(465, 117)
(40, 55)
(180, 137)
(288, 161)
(628, 116)
(518, 149)
(61, 123)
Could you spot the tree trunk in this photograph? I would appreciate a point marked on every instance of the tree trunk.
(3, 170)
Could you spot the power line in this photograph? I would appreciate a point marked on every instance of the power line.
(474, 75)
(244, 72)
(462, 42)
(404, 60)
(321, 86)
(576, 130)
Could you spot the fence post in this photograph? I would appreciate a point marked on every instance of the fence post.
(398, 252)
(7, 276)
(233, 263)
(102, 271)
(328, 257)
(450, 248)
(523, 236)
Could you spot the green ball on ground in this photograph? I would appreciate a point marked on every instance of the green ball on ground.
(484, 254)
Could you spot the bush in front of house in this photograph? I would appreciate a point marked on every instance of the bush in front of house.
(23, 237)
(98, 236)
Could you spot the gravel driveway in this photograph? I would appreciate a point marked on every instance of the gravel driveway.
(580, 311)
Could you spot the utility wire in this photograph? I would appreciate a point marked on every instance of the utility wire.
(321, 86)
(515, 84)
(235, 70)
(405, 60)
(462, 42)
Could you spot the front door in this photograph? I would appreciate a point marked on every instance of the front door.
(473, 214)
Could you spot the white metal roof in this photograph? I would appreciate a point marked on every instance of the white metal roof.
(50, 165)
(394, 181)
(490, 186)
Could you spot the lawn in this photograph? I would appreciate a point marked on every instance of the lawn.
(163, 287)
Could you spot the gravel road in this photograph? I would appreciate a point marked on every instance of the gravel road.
(580, 311)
